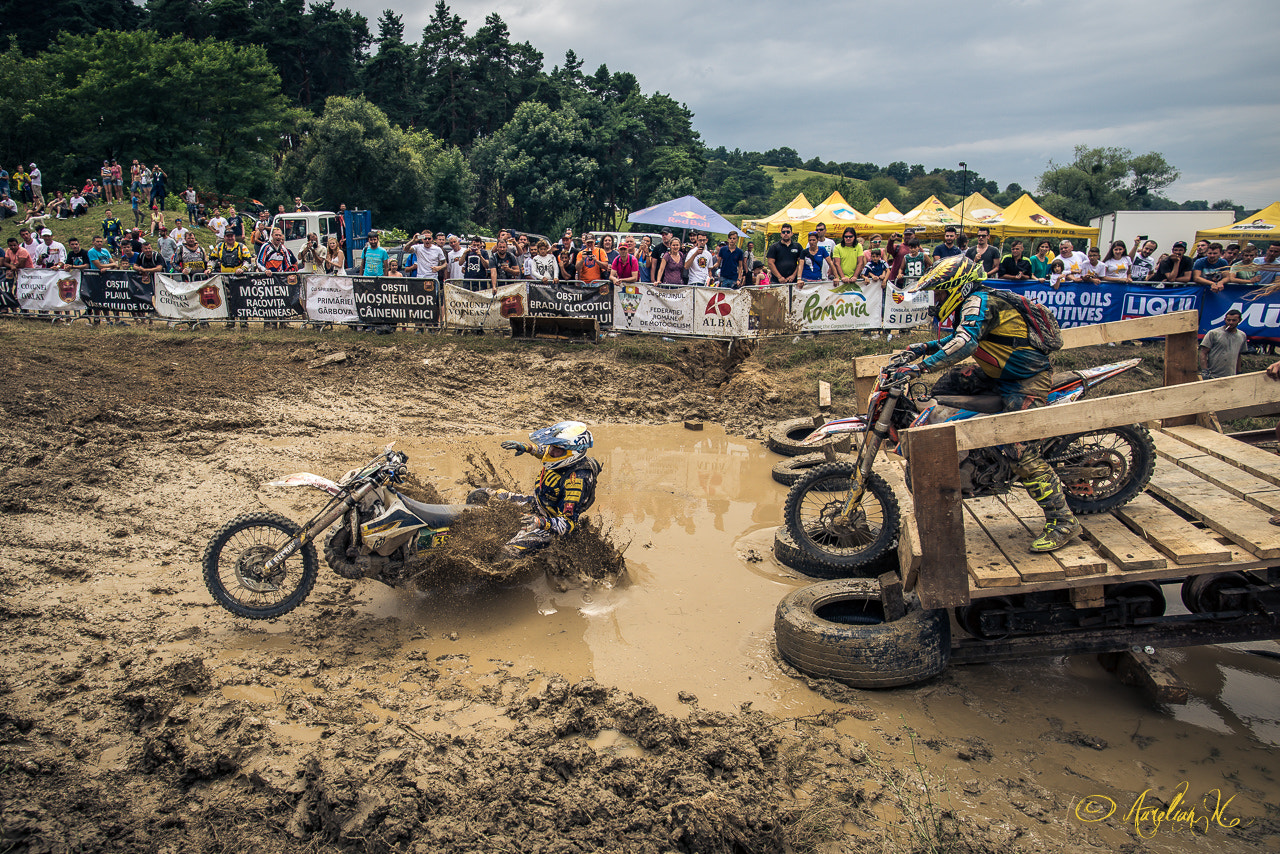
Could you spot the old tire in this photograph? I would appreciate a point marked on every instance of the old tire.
(234, 573)
(836, 630)
(786, 436)
(1127, 452)
(789, 555)
(788, 471)
(812, 509)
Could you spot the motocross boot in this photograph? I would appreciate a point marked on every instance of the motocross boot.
(1060, 524)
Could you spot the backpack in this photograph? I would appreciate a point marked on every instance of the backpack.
(1043, 332)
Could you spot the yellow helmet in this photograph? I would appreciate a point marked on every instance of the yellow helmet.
(958, 276)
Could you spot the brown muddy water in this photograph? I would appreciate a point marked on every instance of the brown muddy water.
(1054, 745)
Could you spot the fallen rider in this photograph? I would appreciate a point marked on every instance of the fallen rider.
(566, 486)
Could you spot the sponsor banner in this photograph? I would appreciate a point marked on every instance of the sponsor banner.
(645, 308)
(48, 290)
(331, 299)
(200, 298)
(721, 311)
(571, 300)
(769, 309)
(117, 290)
(396, 299)
(826, 307)
(1079, 304)
(487, 309)
(903, 310)
(263, 296)
(1261, 321)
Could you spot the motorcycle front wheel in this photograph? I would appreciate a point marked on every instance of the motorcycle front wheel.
(234, 571)
(814, 505)
(1103, 470)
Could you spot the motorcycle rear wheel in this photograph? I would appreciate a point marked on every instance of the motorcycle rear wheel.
(1127, 452)
(233, 567)
(813, 504)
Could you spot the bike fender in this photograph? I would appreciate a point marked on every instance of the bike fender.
(303, 478)
(856, 424)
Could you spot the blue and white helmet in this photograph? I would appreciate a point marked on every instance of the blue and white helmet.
(564, 444)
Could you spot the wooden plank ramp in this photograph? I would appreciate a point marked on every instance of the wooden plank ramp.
(1077, 559)
(1242, 523)
(1125, 548)
(988, 567)
(1257, 462)
(1181, 541)
(1260, 493)
(1011, 537)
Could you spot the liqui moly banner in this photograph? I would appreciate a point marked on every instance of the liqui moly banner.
(487, 309)
(827, 307)
(48, 290)
(196, 299)
(1261, 315)
(645, 308)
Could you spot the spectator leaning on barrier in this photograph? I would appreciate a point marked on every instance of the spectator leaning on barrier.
(456, 254)
(191, 257)
(1117, 264)
(625, 269)
(644, 257)
(374, 259)
(784, 258)
(505, 263)
(1220, 349)
(333, 261)
(671, 267)
(1091, 271)
(876, 270)
(53, 254)
(592, 263)
(1173, 268)
(1143, 261)
(1040, 261)
(477, 270)
(1270, 263)
(699, 261)
(729, 263)
(846, 258)
(1209, 270)
(1015, 267)
(813, 258)
(1072, 261)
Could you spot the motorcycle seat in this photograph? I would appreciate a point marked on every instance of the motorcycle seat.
(435, 515)
(985, 403)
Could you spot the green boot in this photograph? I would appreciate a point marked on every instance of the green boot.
(1057, 533)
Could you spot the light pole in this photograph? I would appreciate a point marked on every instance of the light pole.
(964, 191)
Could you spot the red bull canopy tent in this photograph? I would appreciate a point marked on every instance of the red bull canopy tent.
(684, 212)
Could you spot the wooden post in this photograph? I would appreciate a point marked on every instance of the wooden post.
(891, 597)
(935, 490)
(1180, 366)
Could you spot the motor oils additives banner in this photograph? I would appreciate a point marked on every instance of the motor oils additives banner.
(117, 290)
(48, 290)
(264, 296)
(645, 308)
(195, 299)
(386, 299)
(827, 307)
(488, 309)
(569, 300)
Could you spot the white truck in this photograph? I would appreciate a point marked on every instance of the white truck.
(1164, 227)
(296, 226)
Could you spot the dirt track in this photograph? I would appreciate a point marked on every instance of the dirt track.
(135, 715)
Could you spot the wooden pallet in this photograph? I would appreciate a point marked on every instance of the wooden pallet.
(1207, 510)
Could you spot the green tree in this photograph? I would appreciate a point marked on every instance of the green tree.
(388, 77)
(1102, 180)
(443, 77)
(36, 27)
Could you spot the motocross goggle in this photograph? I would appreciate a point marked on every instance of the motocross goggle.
(552, 453)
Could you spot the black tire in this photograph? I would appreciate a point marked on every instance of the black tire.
(789, 555)
(335, 553)
(836, 630)
(233, 562)
(786, 436)
(817, 497)
(1128, 452)
(788, 471)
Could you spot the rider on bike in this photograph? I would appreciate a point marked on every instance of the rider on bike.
(994, 333)
(566, 486)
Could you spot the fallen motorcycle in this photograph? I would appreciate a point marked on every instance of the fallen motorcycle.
(845, 515)
(263, 565)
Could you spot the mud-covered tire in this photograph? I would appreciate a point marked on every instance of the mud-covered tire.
(791, 469)
(234, 555)
(1131, 450)
(786, 436)
(814, 498)
(836, 630)
(335, 553)
(790, 556)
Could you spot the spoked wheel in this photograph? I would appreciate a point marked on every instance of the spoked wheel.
(1144, 598)
(1104, 470)
(983, 620)
(815, 517)
(1206, 594)
(235, 567)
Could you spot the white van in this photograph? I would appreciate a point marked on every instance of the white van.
(296, 227)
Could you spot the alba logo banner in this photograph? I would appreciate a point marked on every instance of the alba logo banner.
(48, 290)
(721, 311)
(198, 299)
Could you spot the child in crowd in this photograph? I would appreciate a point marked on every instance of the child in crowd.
(876, 270)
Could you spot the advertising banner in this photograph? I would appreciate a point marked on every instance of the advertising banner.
(331, 299)
(384, 299)
(1261, 314)
(770, 309)
(827, 307)
(1078, 304)
(198, 299)
(487, 309)
(48, 290)
(571, 300)
(264, 296)
(903, 310)
(721, 311)
(645, 308)
(117, 290)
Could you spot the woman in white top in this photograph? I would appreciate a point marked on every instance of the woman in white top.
(1117, 264)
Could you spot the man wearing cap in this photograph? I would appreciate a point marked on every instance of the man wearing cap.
(1174, 268)
(52, 253)
(36, 181)
(947, 247)
(565, 251)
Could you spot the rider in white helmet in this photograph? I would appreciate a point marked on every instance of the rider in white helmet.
(566, 486)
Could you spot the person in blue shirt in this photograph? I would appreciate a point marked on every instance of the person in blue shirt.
(375, 257)
(812, 259)
(729, 261)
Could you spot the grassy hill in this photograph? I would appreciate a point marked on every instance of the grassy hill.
(85, 228)
(783, 177)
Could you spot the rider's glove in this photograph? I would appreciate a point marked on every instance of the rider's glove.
(534, 522)
(918, 350)
(518, 447)
(908, 372)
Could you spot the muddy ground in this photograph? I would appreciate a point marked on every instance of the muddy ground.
(136, 715)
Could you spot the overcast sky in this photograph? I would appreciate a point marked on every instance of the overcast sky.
(1006, 85)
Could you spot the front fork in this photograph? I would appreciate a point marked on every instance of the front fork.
(317, 526)
(866, 457)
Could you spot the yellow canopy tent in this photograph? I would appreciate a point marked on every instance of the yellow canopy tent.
(838, 215)
(977, 206)
(797, 210)
(1264, 225)
(1024, 218)
(933, 216)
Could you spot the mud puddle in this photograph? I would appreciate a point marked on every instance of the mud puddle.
(1043, 745)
